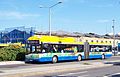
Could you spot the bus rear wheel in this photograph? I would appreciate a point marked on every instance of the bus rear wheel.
(79, 58)
(103, 56)
(54, 59)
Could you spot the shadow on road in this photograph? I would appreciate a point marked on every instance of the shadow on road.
(114, 63)
(12, 66)
(115, 75)
(1, 72)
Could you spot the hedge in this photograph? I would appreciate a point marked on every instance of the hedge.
(12, 53)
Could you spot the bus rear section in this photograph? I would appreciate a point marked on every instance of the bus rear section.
(97, 50)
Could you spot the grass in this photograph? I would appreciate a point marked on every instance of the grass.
(86, 63)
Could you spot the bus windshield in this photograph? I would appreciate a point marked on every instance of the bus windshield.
(34, 48)
(41, 48)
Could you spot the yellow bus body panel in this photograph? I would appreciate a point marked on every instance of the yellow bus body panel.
(54, 39)
(95, 43)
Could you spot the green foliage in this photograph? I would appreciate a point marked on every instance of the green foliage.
(11, 53)
(86, 63)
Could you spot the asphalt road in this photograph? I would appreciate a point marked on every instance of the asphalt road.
(98, 72)
(111, 71)
(57, 64)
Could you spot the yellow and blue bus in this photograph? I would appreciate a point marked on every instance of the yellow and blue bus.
(55, 49)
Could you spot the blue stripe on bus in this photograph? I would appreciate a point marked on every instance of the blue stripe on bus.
(95, 56)
(60, 58)
(99, 56)
(45, 59)
(108, 55)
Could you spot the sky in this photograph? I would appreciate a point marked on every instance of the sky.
(82, 16)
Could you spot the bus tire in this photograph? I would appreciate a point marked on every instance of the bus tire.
(79, 58)
(54, 59)
(103, 56)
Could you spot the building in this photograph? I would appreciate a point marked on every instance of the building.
(16, 35)
(90, 37)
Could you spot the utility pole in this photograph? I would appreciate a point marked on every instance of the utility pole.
(113, 35)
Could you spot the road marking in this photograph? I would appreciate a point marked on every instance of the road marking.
(84, 76)
(112, 74)
(73, 73)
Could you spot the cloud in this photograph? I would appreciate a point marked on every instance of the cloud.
(17, 15)
(103, 21)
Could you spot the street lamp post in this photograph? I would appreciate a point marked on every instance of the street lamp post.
(113, 35)
(49, 21)
(50, 15)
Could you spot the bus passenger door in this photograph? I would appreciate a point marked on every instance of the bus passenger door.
(86, 50)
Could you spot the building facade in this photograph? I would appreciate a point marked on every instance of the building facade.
(16, 35)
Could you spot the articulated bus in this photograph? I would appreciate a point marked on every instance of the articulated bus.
(55, 49)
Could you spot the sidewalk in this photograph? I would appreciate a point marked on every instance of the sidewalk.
(11, 62)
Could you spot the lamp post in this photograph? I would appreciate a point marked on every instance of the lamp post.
(50, 15)
(113, 35)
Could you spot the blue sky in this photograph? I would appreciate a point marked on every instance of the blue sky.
(72, 15)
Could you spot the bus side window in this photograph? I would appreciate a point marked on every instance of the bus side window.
(75, 49)
(62, 51)
(44, 48)
(69, 49)
(110, 48)
(80, 48)
(54, 49)
(92, 48)
(43, 51)
(60, 48)
(50, 48)
(97, 49)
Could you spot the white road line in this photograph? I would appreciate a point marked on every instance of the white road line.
(113, 74)
(73, 73)
(84, 76)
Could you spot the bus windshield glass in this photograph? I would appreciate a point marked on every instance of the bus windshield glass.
(33, 46)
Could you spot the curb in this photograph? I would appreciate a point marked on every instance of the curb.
(11, 62)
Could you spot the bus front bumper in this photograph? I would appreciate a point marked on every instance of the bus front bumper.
(42, 59)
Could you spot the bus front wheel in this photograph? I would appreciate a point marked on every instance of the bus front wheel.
(79, 58)
(54, 59)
